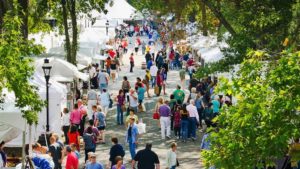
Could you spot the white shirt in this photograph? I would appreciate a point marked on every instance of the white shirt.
(65, 119)
(92, 72)
(153, 70)
(192, 111)
(133, 102)
(171, 159)
(92, 95)
(104, 99)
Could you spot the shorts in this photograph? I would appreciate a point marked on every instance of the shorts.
(101, 128)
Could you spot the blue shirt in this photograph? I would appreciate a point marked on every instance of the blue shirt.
(101, 119)
(94, 166)
(134, 134)
(141, 93)
(149, 64)
(198, 103)
(216, 106)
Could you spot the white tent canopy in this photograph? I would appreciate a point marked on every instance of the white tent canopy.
(120, 9)
(12, 123)
(62, 71)
(59, 52)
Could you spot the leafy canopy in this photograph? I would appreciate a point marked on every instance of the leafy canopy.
(266, 117)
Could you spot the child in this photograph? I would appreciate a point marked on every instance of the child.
(74, 149)
(177, 121)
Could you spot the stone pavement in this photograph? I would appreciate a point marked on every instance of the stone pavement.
(188, 153)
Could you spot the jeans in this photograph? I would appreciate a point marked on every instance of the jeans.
(119, 114)
(192, 127)
(102, 86)
(165, 124)
(131, 66)
(184, 129)
(153, 81)
(132, 148)
(173, 167)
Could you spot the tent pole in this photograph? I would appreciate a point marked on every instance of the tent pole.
(23, 147)
(30, 143)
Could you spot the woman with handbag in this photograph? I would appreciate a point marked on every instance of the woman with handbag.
(156, 115)
(120, 99)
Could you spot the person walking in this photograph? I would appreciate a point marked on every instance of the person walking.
(115, 151)
(132, 137)
(72, 160)
(101, 124)
(159, 82)
(83, 114)
(65, 119)
(113, 69)
(120, 99)
(104, 99)
(146, 81)
(165, 123)
(177, 122)
(103, 80)
(179, 94)
(182, 77)
(146, 159)
(193, 119)
(136, 47)
(55, 152)
(131, 59)
(93, 164)
(92, 100)
(119, 163)
(133, 100)
(141, 95)
(89, 142)
(75, 116)
(74, 136)
(184, 123)
(171, 159)
(153, 72)
(125, 85)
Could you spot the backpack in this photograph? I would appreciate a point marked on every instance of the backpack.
(126, 85)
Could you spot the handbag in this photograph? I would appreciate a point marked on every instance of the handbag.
(177, 162)
(156, 90)
(123, 108)
(156, 116)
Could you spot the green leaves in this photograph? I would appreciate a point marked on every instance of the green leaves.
(256, 131)
(16, 67)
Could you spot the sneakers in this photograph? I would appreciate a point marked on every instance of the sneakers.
(168, 137)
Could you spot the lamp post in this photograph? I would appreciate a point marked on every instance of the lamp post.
(47, 69)
(107, 24)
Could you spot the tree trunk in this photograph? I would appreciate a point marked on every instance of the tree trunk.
(65, 22)
(204, 19)
(219, 34)
(23, 13)
(72, 9)
(4, 7)
(220, 16)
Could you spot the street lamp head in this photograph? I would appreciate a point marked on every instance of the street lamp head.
(47, 68)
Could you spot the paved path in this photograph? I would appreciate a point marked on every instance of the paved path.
(188, 153)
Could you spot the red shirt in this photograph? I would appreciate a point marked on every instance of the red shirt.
(72, 161)
(73, 138)
(131, 59)
(111, 53)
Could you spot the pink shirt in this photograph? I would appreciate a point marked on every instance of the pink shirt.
(75, 117)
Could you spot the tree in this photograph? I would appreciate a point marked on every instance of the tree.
(256, 131)
(71, 9)
(15, 65)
